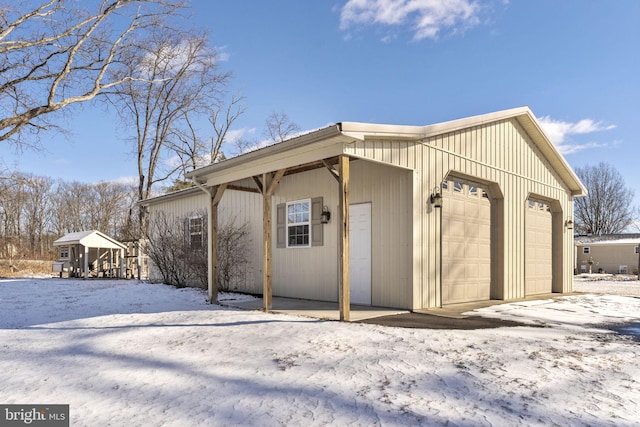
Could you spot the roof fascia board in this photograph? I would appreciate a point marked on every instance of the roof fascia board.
(378, 131)
(109, 239)
(169, 196)
(296, 156)
(272, 150)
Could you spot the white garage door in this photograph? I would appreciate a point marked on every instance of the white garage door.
(466, 244)
(538, 249)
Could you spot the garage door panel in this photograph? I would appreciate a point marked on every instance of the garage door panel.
(472, 251)
(466, 243)
(538, 249)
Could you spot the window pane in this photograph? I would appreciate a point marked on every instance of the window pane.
(299, 235)
(298, 227)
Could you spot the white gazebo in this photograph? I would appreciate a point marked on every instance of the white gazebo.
(86, 252)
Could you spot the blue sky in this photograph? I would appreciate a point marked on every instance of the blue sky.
(575, 63)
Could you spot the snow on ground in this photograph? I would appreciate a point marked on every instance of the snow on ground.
(137, 354)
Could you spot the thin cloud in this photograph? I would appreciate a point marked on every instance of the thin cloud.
(222, 55)
(560, 133)
(126, 180)
(234, 135)
(426, 18)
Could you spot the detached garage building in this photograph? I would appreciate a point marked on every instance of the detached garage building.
(412, 217)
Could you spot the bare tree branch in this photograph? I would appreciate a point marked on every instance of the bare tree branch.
(221, 126)
(279, 127)
(53, 55)
(607, 208)
(177, 77)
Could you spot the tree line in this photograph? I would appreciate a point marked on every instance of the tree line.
(36, 210)
(144, 59)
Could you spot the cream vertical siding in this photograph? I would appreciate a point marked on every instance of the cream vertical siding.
(397, 177)
(390, 192)
(235, 207)
(312, 273)
(308, 273)
(501, 156)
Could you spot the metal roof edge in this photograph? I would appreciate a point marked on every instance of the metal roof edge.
(168, 196)
(361, 131)
(299, 141)
(578, 189)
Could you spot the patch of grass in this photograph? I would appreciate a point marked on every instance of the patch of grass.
(24, 268)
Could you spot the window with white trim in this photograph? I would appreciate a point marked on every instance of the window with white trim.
(636, 250)
(299, 223)
(586, 250)
(195, 232)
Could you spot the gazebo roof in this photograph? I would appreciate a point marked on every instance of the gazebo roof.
(91, 239)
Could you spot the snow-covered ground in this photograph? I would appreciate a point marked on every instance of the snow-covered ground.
(136, 354)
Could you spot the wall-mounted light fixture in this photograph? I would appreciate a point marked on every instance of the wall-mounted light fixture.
(436, 198)
(325, 216)
(569, 224)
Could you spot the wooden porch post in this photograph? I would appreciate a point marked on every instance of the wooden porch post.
(212, 239)
(268, 188)
(267, 286)
(344, 297)
(121, 262)
(86, 262)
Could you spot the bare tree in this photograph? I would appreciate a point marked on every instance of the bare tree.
(278, 127)
(70, 211)
(178, 74)
(192, 150)
(56, 53)
(608, 206)
(37, 213)
(233, 254)
(222, 119)
(181, 263)
(178, 263)
(12, 207)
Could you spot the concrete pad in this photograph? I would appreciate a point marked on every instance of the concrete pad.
(315, 309)
(458, 311)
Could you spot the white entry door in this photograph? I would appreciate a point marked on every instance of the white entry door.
(360, 253)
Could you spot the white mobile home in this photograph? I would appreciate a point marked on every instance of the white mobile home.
(412, 217)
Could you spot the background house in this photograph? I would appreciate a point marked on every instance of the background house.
(609, 253)
(421, 216)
